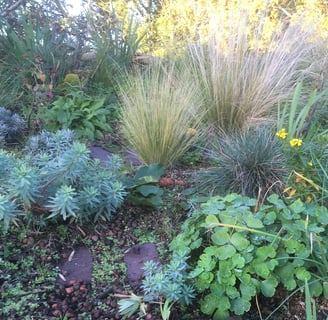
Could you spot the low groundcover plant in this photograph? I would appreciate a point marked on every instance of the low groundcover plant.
(236, 253)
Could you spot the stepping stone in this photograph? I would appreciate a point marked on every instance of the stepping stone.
(100, 153)
(135, 259)
(77, 267)
(103, 154)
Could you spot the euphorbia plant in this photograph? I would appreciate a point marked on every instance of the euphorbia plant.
(57, 179)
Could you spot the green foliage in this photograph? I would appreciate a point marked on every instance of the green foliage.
(49, 144)
(12, 125)
(36, 53)
(72, 80)
(144, 188)
(87, 116)
(310, 307)
(293, 116)
(8, 210)
(308, 165)
(159, 114)
(129, 305)
(251, 163)
(59, 180)
(236, 254)
(116, 43)
(169, 281)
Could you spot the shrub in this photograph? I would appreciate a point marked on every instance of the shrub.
(240, 82)
(144, 187)
(60, 181)
(159, 114)
(87, 116)
(235, 254)
(250, 163)
(12, 126)
(49, 143)
(36, 52)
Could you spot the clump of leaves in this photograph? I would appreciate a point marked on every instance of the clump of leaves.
(61, 181)
(12, 125)
(87, 116)
(116, 42)
(169, 282)
(308, 179)
(51, 144)
(236, 254)
(144, 188)
(251, 163)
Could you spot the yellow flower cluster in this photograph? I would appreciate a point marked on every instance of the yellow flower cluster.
(295, 142)
(282, 134)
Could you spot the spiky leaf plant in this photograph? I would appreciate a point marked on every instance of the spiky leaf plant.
(159, 114)
(64, 203)
(8, 210)
(23, 183)
(250, 163)
(58, 181)
(48, 143)
(12, 125)
(241, 82)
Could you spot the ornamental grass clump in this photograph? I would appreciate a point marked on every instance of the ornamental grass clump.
(160, 113)
(241, 82)
(250, 163)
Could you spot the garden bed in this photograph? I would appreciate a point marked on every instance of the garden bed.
(31, 287)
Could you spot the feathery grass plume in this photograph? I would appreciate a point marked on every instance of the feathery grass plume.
(250, 163)
(159, 112)
(241, 80)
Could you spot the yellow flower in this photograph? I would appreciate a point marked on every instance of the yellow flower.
(191, 131)
(282, 134)
(310, 164)
(295, 142)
